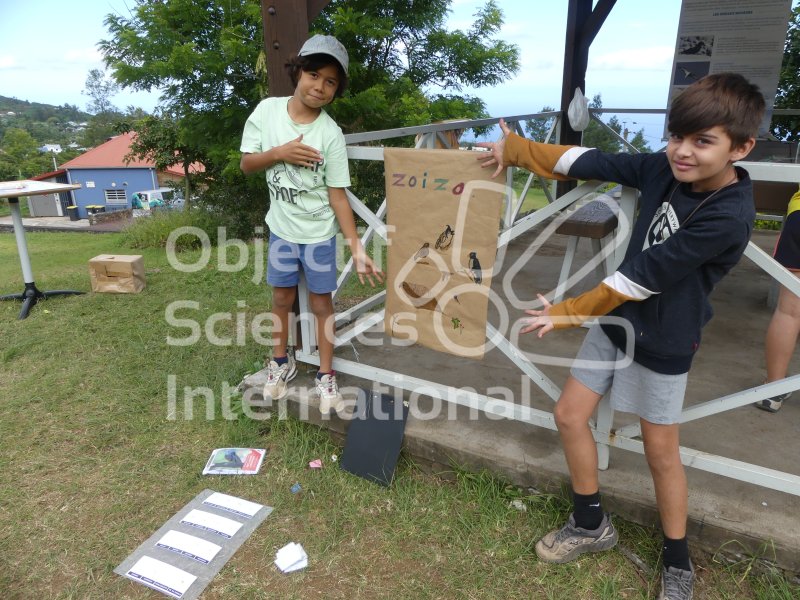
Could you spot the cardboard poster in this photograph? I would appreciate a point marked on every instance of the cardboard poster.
(443, 213)
(742, 36)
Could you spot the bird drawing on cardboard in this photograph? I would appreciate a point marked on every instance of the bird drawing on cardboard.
(423, 252)
(475, 268)
(445, 239)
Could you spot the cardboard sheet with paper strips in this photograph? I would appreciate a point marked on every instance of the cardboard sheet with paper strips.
(443, 213)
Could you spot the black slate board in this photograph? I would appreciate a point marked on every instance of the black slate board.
(374, 437)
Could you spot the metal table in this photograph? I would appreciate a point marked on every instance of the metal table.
(12, 190)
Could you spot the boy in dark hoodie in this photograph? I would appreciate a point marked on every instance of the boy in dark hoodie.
(695, 218)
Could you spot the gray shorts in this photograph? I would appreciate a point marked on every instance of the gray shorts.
(632, 388)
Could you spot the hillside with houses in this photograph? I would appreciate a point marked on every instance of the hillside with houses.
(47, 124)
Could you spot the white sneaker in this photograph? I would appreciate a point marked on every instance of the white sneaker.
(328, 392)
(278, 377)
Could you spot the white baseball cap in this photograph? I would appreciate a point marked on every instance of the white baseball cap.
(326, 44)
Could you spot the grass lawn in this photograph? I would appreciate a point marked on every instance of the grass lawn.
(534, 199)
(92, 464)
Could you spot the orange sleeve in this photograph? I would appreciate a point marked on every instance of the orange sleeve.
(534, 156)
(596, 302)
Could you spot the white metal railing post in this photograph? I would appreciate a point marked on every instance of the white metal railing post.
(605, 420)
(627, 213)
(308, 322)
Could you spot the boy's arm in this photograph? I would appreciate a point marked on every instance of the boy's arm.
(347, 223)
(647, 273)
(561, 163)
(548, 160)
(294, 152)
(573, 312)
(600, 300)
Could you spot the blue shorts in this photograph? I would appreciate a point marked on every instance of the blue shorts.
(318, 261)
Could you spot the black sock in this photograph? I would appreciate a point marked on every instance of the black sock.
(588, 513)
(280, 360)
(676, 554)
(321, 373)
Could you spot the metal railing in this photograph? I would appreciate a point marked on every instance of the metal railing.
(359, 318)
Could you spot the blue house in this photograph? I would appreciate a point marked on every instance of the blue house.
(109, 179)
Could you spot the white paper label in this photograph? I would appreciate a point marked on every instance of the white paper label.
(190, 546)
(208, 522)
(238, 506)
(161, 576)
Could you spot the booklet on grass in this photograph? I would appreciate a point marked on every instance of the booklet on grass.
(235, 461)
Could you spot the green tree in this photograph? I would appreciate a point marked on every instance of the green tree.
(20, 156)
(206, 57)
(639, 142)
(788, 92)
(537, 129)
(403, 50)
(45, 124)
(160, 140)
(106, 117)
(597, 136)
(407, 68)
(202, 56)
(100, 89)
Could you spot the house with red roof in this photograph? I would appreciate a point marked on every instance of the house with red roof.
(50, 205)
(109, 178)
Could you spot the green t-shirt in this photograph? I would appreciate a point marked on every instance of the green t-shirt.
(300, 210)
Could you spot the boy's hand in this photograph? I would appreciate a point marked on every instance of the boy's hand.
(540, 320)
(298, 153)
(495, 156)
(366, 267)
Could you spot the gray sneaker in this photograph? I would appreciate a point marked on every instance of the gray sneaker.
(278, 376)
(676, 584)
(773, 404)
(569, 542)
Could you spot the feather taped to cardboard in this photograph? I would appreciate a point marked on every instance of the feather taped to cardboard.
(578, 111)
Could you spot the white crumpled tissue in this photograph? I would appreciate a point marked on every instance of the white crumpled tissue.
(291, 557)
(578, 111)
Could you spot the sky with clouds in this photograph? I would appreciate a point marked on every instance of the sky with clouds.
(49, 46)
(630, 60)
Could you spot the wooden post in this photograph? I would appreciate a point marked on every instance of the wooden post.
(285, 30)
(583, 23)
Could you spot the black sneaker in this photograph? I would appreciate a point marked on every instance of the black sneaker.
(773, 404)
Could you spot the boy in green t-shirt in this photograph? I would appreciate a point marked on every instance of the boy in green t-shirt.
(303, 153)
